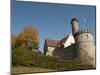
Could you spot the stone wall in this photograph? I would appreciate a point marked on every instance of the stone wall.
(85, 47)
(65, 53)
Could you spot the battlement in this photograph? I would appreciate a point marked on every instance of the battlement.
(82, 31)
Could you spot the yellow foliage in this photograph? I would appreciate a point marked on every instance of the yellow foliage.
(29, 36)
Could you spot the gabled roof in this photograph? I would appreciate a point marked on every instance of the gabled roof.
(51, 43)
(63, 40)
(55, 43)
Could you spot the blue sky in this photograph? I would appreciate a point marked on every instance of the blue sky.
(52, 20)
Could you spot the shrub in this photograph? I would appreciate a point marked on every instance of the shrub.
(23, 57)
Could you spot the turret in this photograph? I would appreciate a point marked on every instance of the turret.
(74, 24)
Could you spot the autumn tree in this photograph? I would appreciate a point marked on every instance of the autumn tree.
(13, 40)
(28, 38)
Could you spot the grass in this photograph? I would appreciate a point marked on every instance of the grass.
(22, 69)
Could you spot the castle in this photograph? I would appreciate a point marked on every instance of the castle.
(79, 44)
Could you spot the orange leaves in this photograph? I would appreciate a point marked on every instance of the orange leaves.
(29, 36)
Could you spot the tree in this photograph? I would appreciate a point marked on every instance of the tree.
(28, 38)
(13, 41)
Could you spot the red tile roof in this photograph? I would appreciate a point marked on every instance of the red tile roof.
(52, 43)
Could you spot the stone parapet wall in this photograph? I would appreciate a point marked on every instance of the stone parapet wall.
(82, 31)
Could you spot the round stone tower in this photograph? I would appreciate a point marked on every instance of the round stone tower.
(84, 43)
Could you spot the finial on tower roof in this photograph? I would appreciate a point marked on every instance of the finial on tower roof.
(74, 19)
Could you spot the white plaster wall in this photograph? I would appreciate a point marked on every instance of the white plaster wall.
(50, 50)
(69, 41)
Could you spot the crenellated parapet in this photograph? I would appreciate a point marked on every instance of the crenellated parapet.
(82, 31)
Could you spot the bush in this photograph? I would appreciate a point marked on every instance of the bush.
(23, 57)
